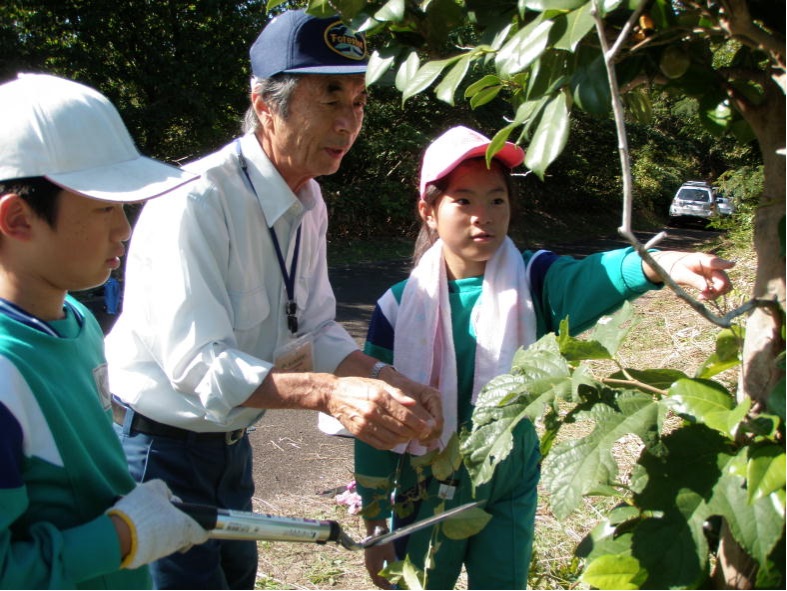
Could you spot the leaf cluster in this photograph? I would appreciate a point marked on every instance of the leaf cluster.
(545, 57)
(723, 462)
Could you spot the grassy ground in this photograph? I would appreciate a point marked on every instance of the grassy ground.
(669, 334)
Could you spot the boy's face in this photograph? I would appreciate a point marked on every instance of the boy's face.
(471, 217)
(84, 245)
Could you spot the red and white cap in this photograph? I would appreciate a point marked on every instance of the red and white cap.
(457, 145)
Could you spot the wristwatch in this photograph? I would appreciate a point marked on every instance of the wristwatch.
(377, 368)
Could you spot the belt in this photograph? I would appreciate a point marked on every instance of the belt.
(142, 424)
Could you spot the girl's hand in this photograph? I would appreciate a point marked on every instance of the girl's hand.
(377, 557)
(698, 270)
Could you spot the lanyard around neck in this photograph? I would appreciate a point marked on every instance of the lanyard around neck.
(290, 308)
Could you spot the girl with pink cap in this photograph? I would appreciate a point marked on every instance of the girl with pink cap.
(470, 302)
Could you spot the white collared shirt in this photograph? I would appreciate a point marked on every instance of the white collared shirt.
(203, 308)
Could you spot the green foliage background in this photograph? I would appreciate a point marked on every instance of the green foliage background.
(178, 72)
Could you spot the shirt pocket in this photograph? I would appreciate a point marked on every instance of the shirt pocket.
(249, 308)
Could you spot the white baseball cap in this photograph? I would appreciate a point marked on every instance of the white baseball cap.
(457, 145)
(74, 137)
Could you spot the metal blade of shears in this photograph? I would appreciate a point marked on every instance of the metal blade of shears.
(414, 527)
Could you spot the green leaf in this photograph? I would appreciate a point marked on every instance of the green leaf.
(490, 80)
(321, 8)
(448, 460)
(271, 4)
(523, 48)
(590, 87)
(466, 524)
(574, 349)
(543, 5)
(378, 66)
(407, 70)
(484, 96)
(610, 331)
(578, 466)
(539, 373)
(550, 136)
(671, 544)
(413, 576)
(661, 379)
(404, 572)
(424, 77)
(447, 88)
(375, 482)
(547, 73)
(393, 10)
(639, 105)
(614, 572)
(727, 354)
(579, 23)
(756, 526)
(707, 402)
(765, 471)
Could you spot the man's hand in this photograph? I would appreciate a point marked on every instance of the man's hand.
(380, 414)
(701, 271)
(429, 398)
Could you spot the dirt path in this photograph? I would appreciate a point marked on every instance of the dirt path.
(291, 455)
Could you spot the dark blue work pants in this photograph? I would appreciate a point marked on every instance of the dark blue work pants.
(209, 472)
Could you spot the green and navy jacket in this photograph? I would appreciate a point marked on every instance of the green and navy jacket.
(61, 464)
(561, 286)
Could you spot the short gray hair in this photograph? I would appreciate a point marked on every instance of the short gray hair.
(276, 91)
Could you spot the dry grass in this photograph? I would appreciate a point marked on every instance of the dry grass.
(668, 334)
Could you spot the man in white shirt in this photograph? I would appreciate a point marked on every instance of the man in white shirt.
(228, 309)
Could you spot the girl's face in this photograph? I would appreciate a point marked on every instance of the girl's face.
(471, 217)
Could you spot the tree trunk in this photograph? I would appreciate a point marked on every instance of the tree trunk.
(764, 328)
(763, 342)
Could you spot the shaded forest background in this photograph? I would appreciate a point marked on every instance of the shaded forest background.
(178, 73)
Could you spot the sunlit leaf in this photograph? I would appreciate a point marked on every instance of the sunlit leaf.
(393, 10)
(446, 90)
(407, 70)
(579, 23)
(465, 524)
(765, 471)
(612, 330)
(484, 96)
(377, 67)
(425, 76)
(523, 48)
(575, 467)
(707, 402)
(550, 136)
(448, 460)
(614, 572)
(542, 5)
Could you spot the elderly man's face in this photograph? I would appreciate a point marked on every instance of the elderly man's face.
(325, 116)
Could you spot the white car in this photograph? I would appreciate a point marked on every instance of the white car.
(694, 199)
(725, 205)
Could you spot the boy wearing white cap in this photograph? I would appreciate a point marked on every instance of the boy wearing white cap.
(470, 302)
(71, 516)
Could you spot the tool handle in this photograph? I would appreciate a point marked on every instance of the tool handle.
(242, 525)
(206, 515)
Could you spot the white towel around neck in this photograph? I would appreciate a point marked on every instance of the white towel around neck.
(503, 320)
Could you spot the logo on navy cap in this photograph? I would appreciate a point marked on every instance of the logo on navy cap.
(343, 40)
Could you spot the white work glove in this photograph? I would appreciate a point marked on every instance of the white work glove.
(157, 527)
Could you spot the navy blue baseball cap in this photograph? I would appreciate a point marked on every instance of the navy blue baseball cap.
(297, 43)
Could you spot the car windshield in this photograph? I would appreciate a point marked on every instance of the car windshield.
(694, 195)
